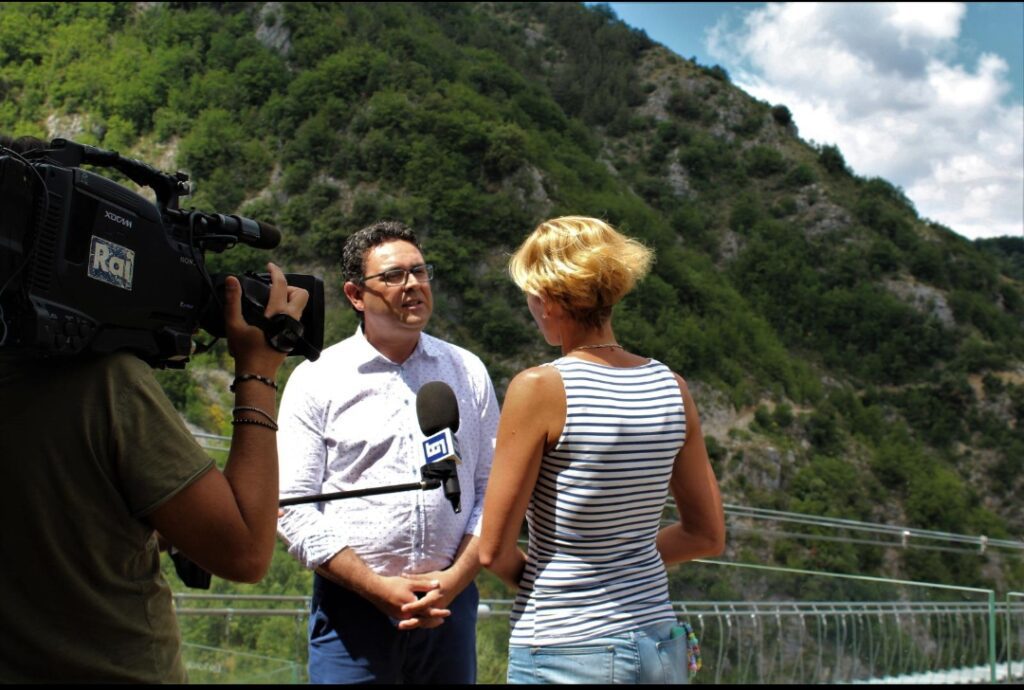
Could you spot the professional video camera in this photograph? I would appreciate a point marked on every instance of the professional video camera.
(90, 266)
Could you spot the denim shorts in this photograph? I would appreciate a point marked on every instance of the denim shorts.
(644, 655)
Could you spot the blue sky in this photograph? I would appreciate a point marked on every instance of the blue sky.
(929, 96)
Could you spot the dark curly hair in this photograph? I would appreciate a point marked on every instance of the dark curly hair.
(353, 255)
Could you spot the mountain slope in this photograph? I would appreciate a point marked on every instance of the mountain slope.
(849, 358)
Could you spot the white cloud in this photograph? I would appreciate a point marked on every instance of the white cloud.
(880, 80)
(927, 20)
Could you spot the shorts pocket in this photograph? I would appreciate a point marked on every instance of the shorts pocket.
(673, 660)
(574, 664)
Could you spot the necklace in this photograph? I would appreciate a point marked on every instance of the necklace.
(592, 347)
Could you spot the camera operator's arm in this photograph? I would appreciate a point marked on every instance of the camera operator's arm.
(226, 521)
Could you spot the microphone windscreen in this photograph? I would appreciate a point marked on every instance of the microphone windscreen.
(437, 408)
(270, 236)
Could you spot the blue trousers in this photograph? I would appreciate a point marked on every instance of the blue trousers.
(351, 641)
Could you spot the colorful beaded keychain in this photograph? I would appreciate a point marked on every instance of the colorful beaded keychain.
(693, 662)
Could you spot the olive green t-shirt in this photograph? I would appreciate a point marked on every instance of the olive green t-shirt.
(88, 448)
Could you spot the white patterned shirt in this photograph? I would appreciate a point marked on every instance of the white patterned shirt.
(348, 421)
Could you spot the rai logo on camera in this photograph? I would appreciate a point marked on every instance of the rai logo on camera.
(111, 263)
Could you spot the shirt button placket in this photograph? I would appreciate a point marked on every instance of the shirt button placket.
(409, 443)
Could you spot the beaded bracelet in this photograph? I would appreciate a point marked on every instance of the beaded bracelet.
(246, 420)
(252, 377)
(249, 408)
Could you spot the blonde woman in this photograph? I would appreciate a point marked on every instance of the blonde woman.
(588, 448)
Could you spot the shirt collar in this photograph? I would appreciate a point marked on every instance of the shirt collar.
(426, 347)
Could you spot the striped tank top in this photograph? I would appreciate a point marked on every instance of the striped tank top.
(592, 566)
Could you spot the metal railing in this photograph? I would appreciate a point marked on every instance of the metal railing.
(212, 442)
(914, 632)
(1014, 636)
(239, 638)
(911, 628)
(843, 642)
(839, 628)
(873, 534)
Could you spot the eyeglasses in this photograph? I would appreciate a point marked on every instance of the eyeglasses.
(398, 276)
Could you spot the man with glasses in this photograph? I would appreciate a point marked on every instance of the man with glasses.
(393, 593)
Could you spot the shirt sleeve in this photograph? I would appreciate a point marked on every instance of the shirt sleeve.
(487, 408)
(155, 454)
(302, 455)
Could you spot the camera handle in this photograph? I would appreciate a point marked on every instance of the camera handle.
(168, 187)
(283, 333)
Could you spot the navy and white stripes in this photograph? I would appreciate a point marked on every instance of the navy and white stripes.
(592, 567)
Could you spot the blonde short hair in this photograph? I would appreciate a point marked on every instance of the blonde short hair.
(581, 263)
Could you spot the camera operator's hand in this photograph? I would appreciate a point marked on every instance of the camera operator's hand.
(247, 343)
(226, 522)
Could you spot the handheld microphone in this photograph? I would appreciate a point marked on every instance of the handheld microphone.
(437, 411)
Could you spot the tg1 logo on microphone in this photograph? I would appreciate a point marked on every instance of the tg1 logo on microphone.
(441, 446)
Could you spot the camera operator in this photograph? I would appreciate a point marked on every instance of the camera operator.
(96, 462)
